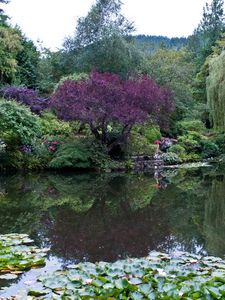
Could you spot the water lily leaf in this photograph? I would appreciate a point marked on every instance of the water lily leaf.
(145, 288)
(121, 283)
(136, 296)
(214, 292)
(135, 281)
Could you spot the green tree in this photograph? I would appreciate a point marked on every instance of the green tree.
(103, 19)
(101, 41)
(111, 54)
(208, 31)
(10, 45)
(52, 66)
(215, 84)
(201, 44)
(175, 70)
(27, 62)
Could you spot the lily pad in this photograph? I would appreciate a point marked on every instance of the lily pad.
(17, 254)
(158, 276)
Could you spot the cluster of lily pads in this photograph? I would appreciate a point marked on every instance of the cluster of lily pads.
(158, 276)
(17, 254)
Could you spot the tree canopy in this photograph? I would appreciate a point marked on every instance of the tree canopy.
(103, 19)
(104, 99)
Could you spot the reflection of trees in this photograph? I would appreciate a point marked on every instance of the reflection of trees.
(214, 221)
(102, 216)
(24, 198)
(99, 235)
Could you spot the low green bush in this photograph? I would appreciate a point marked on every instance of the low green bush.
(209, 149)
(139, 145)
(73, 154)
(74, 76)
(171, 158)
(149, 131)
(191, 142)
(191, 157)
(183, 127)
(52, 125)
(18, 124)
(178, 149)
(219, 140)
(152, 133)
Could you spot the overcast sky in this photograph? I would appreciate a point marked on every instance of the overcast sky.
(51, 20)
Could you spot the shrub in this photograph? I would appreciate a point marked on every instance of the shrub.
(177, 149)
(139, 145)
(18, 124)
(11, 159)
(192, 142)
(74, 77)
(51, 125)
(219, 139)
(209, 149)
(25, 96)
(191, 157)
(152, 133)
(73, 154)
(194, 125)
(171, 158)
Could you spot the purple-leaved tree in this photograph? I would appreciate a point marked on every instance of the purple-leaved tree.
(104, 101)
(26, 96)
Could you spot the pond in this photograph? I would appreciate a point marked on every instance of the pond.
(106, 217)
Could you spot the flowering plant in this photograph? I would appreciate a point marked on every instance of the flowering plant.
(53, 144)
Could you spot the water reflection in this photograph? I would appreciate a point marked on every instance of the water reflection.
(109, 216)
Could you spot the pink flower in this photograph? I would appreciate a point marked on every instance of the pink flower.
(157, 142)
(51, 148)
(54, 142)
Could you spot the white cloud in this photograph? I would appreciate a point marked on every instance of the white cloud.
(51, 20)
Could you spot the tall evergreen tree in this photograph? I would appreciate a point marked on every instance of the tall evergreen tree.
(208, 31)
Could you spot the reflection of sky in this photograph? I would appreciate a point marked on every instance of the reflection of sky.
(173, 246)
(28, 278)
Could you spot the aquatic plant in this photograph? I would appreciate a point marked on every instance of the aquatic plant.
(17, 254)
(158, 276)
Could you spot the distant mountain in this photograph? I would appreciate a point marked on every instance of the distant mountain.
(150, 43)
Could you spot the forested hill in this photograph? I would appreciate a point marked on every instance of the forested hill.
(150, 43)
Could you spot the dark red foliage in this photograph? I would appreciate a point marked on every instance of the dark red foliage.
(105, 99)
(25, 96)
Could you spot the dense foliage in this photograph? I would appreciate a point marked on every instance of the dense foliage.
(151, 43)
(26, 96)
(18, 125)
(129, 85)
(104, 99)
(215, 91)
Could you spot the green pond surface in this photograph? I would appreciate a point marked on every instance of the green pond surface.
(105, 217)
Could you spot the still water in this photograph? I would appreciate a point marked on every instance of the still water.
(93, 217)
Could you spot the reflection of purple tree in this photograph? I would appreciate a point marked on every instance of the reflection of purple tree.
(97, 235)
